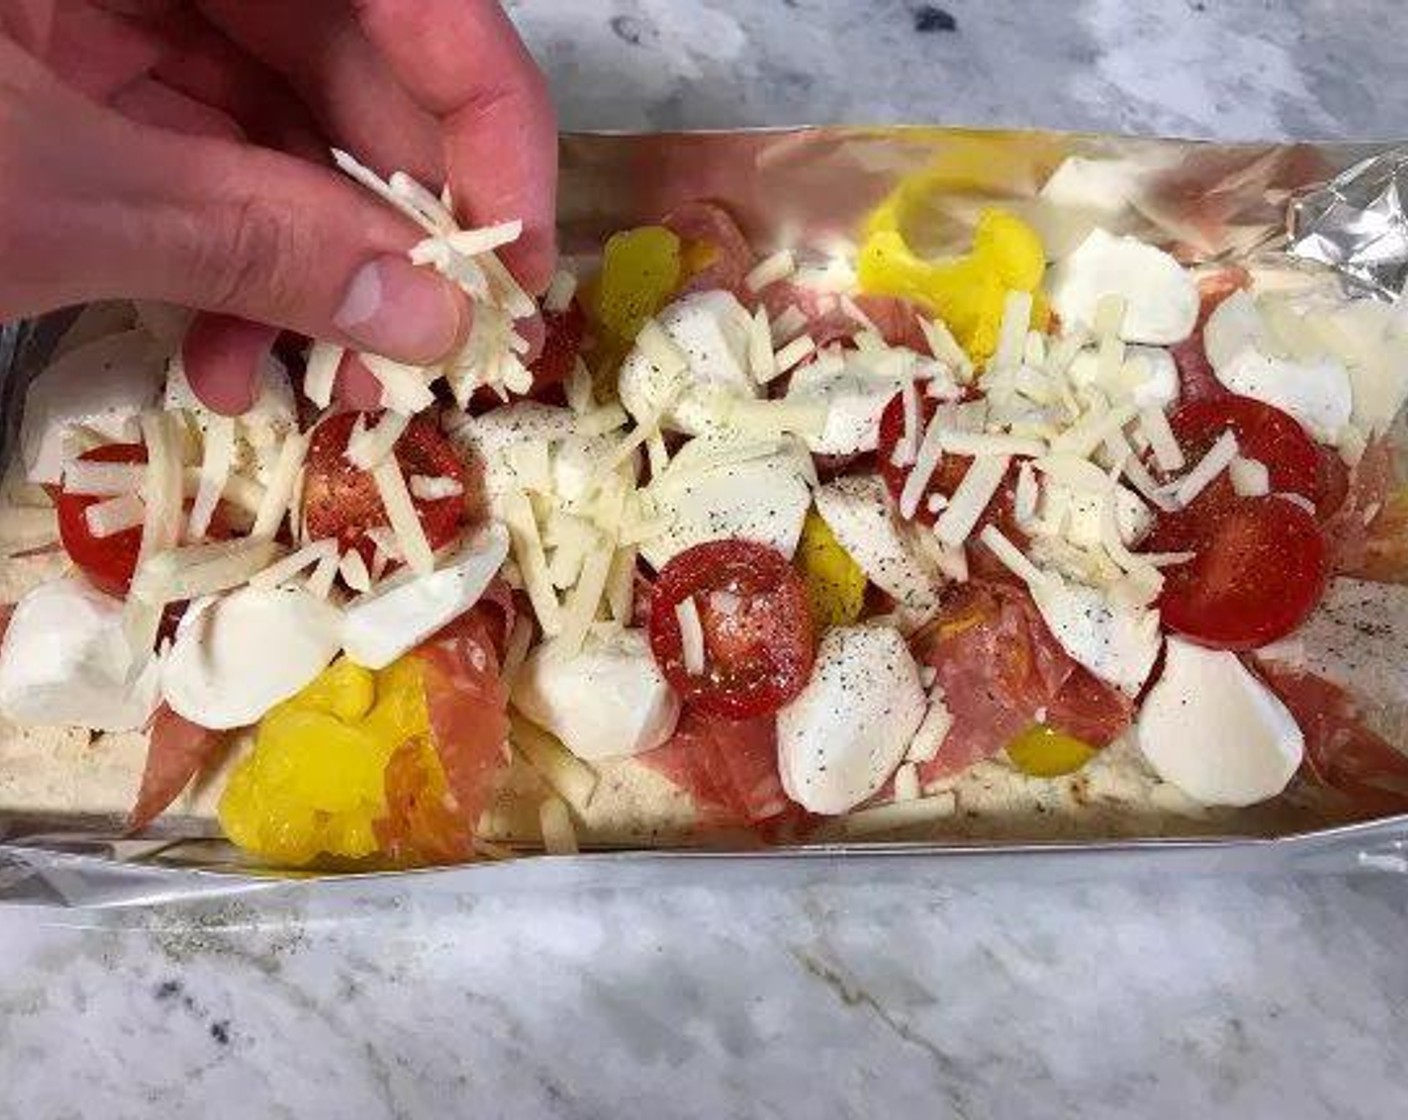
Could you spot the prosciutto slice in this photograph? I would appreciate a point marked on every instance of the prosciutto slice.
(177, 751)
(1001, 671)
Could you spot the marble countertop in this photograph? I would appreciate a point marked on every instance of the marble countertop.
(1156, 997)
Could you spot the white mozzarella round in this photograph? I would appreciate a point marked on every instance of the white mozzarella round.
(763, 499)
(491, 437)
(66, 661)
(840, 740)
(238, 655)
(1117, 642)
(608, 701)
(855, 387)
(1161, 300)
(398, 615)
(101, 385)
(1315, 390)
(711, 330)
(857, 510)
(1210, 728)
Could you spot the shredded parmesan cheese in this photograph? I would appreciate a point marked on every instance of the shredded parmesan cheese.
(114, 515)
(528, 552)
(1155, 426)
(404, 388)
(353, 570)
(323, 361)
(103, 480)
(770, 270)
(367, 447)
(282, 479)
(1012, 335)
(1250, 478)
(401, 513)
(560, 291)
(985, 443)
(1217, 459)
(283, 570)
(200, 569)
(762, 363)
(965, 507)
(1011, 557)
(435, 488)
(691, 636)
(926, 461)
(794, 352)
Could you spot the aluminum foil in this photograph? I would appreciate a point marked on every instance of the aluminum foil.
(1340, 204)
(1358, 223)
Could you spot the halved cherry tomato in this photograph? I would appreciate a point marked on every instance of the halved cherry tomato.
(758, 641)
(108, 562)
(562, 342)
(342, 501)
(1260, 570)
(1263, 432)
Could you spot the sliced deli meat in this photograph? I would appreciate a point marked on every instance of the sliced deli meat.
(1212, 729)
(177, 751)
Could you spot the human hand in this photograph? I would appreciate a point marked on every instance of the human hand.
(176, 150)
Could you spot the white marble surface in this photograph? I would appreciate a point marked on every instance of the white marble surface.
(1163, 997)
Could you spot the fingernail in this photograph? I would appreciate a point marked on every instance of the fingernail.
(400, 311)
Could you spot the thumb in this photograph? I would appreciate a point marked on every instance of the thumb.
(95, 206)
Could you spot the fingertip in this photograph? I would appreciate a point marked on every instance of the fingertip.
(224, 359)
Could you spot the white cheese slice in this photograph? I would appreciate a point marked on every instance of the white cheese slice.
(380, 626)
(1244, 356)
(238, 655)
(763, 499)
(102, 386)
(1115, 640)
(848, 730)
(1161, 299)
(855, 388)
(608, 700)
(856, 509)
(65, 661)
(1214, 731)
(711, 331)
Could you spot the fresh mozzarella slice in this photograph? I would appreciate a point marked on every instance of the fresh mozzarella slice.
(380, 626)
(1245, 356)
(607, 700)
(843, 736)
(711, 330)
(65, 660)
(1149, 377)
(857, 510)
(238, 655)
(855, 387)
(762, 499)
(1355, 639)
(1116, 641)
(1214, 731)
(103, 386)
(1161, 300)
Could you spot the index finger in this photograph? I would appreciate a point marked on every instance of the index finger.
(463, 61)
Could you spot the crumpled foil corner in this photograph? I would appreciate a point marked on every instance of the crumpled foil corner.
(1358, 223)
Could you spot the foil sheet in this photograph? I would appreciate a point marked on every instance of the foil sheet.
(1341, 204)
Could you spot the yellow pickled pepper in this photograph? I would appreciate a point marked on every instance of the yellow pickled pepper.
(315, 780)
(835, 583)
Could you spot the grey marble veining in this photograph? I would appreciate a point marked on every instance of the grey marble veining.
(1207, 997)
(1161, 997)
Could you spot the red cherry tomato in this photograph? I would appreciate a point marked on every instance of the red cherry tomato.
(758, 642)
(1265, 433)
(342, 501)
(1260, 570)
(108, 562)
(562, 342)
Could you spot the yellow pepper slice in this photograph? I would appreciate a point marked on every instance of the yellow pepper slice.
(640, 270)
(835, 583)
(966, 292)
(1044, 752)
(315, 780)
